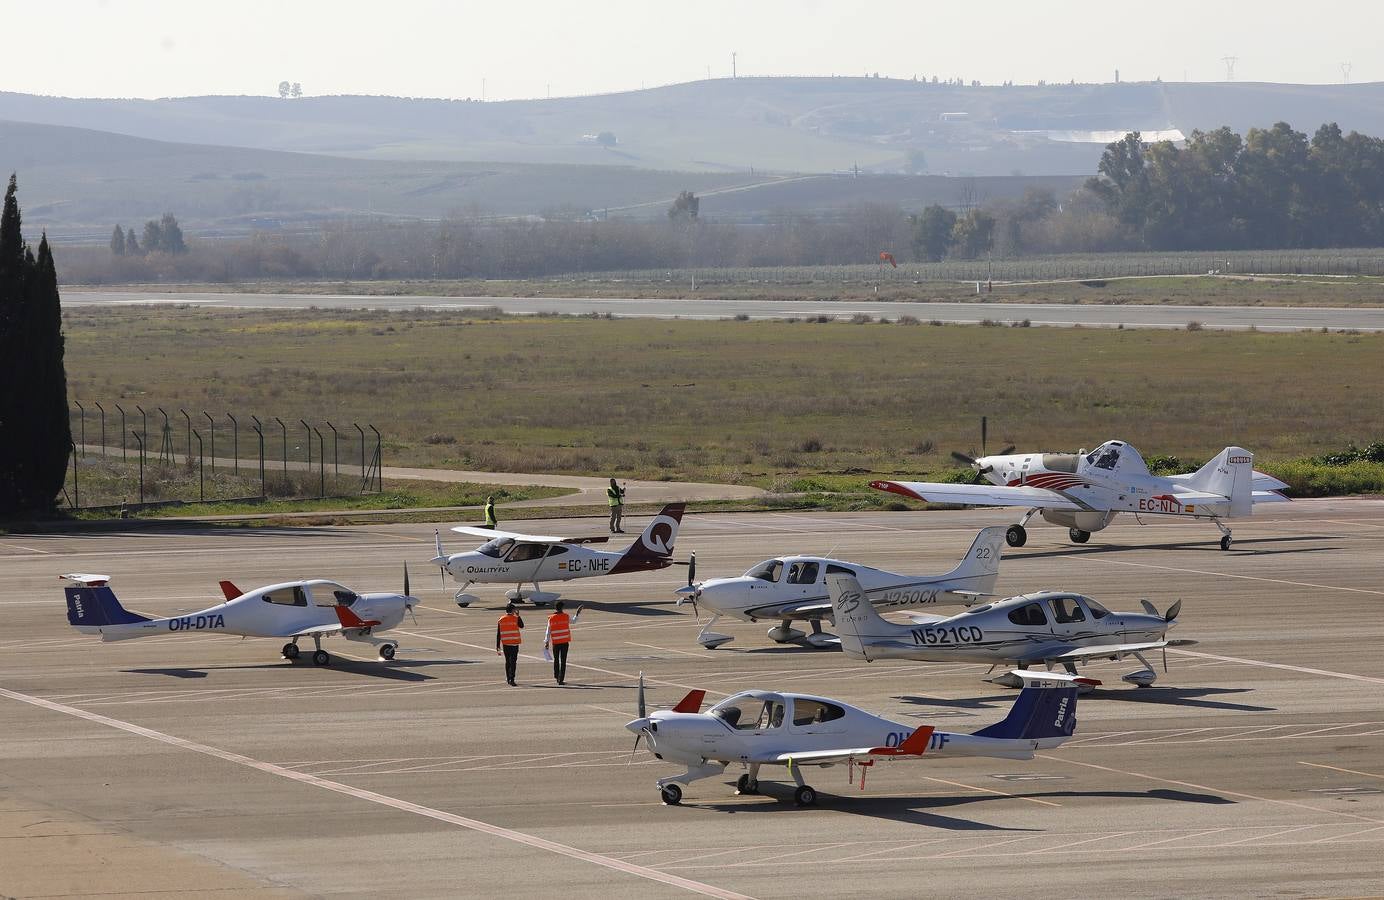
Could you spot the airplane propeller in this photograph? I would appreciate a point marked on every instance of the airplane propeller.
(643, 714)
(975, 463)
(693, 590)
(407, 597)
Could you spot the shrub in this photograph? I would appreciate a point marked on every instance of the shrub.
(861, 319)
(810, 445)
(1194, 326)
(908, 320)
(438, 437)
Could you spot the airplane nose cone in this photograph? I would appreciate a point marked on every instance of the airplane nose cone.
(689, 590)
(638, 725)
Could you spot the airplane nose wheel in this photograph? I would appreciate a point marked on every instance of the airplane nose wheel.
(1016, 535)
(1225, 542)
(387, 651)
(805, 796)
(671, 794)
(290, 651)
(1078, 536)
(320, 658)
(746, 785)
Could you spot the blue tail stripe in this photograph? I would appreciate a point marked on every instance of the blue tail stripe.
(97, 606)
(1039, 712)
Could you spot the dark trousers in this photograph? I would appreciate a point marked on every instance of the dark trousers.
(560, 662)
(511, 661)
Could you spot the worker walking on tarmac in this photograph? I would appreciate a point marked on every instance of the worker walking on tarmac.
(490, 520)
(615, 496)
(558, 638)
(508, 639)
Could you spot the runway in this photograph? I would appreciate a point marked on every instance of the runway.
(1267, 318)
(208, 765)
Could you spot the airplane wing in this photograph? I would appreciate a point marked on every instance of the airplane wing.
(487, 533)
(346, 621)
(1100, 650)
(979, 494)
(816, 609)
(1269, 497)
(912, 747)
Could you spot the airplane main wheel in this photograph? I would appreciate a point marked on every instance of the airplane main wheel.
(1225, 542)
(320, 658)
(1016, 536)
(746, 785)
(1078, 536)
(290, 651)
(671, 794)
(805, 796)
(387, 651)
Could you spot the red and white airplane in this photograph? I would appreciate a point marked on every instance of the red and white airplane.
(1085, 491)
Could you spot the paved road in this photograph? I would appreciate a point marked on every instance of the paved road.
(190, 765)
(1130, 316)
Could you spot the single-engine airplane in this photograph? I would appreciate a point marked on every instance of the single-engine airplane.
(1048, 628)
(1085, 491)
(508, 557)
(793, 588)
(313, 608)
(770, 728)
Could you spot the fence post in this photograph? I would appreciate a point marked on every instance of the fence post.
(76, 485)
(379, 458)
(140, 442)
(123, 445)
(260, 431)
(103, 427)
(336, 454)
(166, 442)
(362, 454)
(321, 465)
(201, 481)
(284, 429)
(211, 425)
(235, 441)
(307, 433)
(82, 412)
(188, 458)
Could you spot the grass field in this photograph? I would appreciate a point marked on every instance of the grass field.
(755, 402)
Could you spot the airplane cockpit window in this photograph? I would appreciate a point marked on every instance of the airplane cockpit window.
(1104, 457)
(496, 547)
(1028, 614)
(751, 714)
(768, 571)
(526, 551)
(1066, 610)
(803, 573)
(557, 550)
(833, 569)
(345, 597)
(294, 596)
(814, 712)
(332, 595)
(1097, 611)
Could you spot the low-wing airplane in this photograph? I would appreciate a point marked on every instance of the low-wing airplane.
(1045, 628)
(770, 728)
(794, 588)
(508, 557)
(313, 608)
(1085, 491)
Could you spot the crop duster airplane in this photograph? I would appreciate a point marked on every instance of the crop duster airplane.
(314, 608)
(1085, 491)
(794, 588)
(508, 557)
(1045, 628)
(769, 728)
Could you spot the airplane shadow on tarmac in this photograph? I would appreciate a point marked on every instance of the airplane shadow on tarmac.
(1241, 547)
(1173, 696)
(919, 810)
(570, 604)
(395, 670)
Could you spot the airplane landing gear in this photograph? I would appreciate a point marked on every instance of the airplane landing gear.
(671, 794)
(784, 633)
(462, 598)
(321, 658)
(290, 651)
(387, 651)
(1078, 536)
(1016, 536)
(747, 784)
(805, 796)
(1225, 534)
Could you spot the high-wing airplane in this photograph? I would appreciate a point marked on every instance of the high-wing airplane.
(794, 588)
(508, 557)
(1085, 491)
(770, 728)
(314, 608)
(1045, 628)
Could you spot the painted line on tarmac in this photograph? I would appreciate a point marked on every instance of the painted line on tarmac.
(517, 837)
(1271, 665)
(1339, 769)
(1325, 587)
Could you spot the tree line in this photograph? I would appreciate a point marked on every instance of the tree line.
(35, 433)
(160, 236)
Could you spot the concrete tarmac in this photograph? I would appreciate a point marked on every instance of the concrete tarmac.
(1265, 318)
(202, 765)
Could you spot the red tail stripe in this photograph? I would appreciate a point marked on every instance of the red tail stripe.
(691, 703)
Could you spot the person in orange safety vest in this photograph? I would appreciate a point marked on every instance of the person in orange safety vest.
(559, 638)
(508, 639)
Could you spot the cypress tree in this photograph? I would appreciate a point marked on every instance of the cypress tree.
(118, 241)
(132, 242)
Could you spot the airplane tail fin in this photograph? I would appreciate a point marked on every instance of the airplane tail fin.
(1038, 713)
(654, 547)
(91, 604)
(1230, 474)
(229, 590)
(855, 616)
(980, 567)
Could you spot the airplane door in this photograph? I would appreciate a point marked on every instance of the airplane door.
(801, 581)
(524, 559)
(1068, 619)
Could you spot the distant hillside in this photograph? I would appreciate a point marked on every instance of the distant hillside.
(731, 125)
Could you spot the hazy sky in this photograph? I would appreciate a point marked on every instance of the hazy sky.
(154, 48)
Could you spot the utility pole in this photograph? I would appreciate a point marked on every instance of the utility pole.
(1230, 62)
(1345, 73)
(733, 54)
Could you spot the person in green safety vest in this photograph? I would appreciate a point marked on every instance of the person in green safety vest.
(490, 520)
(615, 496)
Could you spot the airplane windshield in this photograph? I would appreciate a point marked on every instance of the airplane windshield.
(1097, 611)
(1104, 457)
(769, 571)
(496, 547)
(750, 713)
(332, 595)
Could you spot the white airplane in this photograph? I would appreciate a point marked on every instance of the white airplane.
(313, 608)
(1045, 628)
(794, 588)
(1085, 491)
(508, 557)
(769, 728)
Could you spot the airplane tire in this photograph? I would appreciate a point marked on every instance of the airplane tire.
(320, 658)
(805, 796)
(1225, 542)
(290, 651)
(387, 651)
(1016, 536)
(671, 794)
(1078, 536)
(746, 785)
